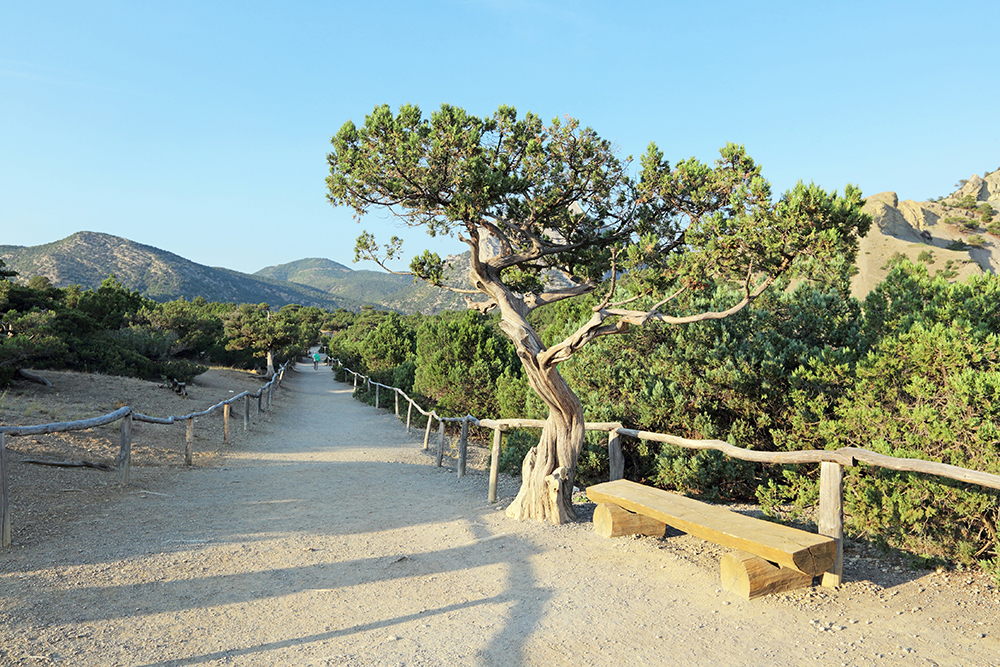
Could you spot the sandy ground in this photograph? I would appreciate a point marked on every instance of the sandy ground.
(326, 536)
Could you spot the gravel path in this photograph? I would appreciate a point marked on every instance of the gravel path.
(329, 538)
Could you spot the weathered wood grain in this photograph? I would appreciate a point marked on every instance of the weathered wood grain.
(806, 552)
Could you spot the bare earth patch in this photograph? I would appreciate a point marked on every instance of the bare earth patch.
(326, 536)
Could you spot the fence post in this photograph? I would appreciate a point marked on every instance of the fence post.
(463, 447)
(189, 441)
(616, 460)
(409, 411)
(440, 455)
(4, 495)
(125, 455)
(377, 387)
(260, 398)
(355, 379)
(396, 392)
(427, 431)
(831, 516)
(225, 423)
(246, 412)
(495, 464)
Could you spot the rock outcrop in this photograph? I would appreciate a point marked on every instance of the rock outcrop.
(917, 231)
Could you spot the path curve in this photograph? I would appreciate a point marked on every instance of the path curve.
(330, 538)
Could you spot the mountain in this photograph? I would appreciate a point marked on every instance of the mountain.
(87, 258)
(953, 241)
(375, 287)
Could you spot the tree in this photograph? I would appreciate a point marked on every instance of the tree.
(258, 329)
(5, 273)
(530, 199)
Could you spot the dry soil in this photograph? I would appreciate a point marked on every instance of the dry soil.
(325, 535)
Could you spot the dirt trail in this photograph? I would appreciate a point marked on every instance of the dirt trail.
(329, 538)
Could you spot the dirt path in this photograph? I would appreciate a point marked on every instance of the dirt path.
(329, 538)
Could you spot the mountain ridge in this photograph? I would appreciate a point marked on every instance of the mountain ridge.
(87, 258)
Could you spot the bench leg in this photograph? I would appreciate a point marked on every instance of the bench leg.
(751, 576)
(613, 521)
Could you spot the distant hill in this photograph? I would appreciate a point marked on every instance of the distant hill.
(932, 232)
(87, 258)
(373, 287)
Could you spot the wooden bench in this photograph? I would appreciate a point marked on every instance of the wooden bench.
(770, 557)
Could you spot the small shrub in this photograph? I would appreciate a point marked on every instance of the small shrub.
(515, 448)
(976, 241)
(926, 256)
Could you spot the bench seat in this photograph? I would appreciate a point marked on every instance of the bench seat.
(806, 552)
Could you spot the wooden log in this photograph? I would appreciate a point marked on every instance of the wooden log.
(831, 517)
(189, 441)
(31, 377)
(440, 454)
(68, 464)
(495, 464)
(806, 552)
(463, 448)
(4, 495)
(409, 413)
(427, 432)
(225, 424)
(614, 521)
(125, 454)
(397, 403)
(616, 460)
(59, 427)
(751, 576)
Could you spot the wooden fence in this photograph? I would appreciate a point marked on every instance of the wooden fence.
(832, 462)
(127, 415)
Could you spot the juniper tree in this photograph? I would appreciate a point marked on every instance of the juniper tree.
(533, 200)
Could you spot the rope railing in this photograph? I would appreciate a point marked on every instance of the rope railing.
(127, 415)
(832, 462)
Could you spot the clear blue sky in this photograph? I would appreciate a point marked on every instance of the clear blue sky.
(202, 127)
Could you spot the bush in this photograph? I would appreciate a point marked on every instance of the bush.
(515, 447)
(707, 474)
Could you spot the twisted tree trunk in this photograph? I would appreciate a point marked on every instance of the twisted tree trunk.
(549, 469)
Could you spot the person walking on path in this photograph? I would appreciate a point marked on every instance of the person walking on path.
(315, 361)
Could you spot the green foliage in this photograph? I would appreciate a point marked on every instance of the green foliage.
(926, 256)
(461, 358)
(6, 273)
(516, 444)
(958, 244)
(708, 474)
(931, 392)
(967, 201)
(976, 241)
(264, 333)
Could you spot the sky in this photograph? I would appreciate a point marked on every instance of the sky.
(202, 128)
